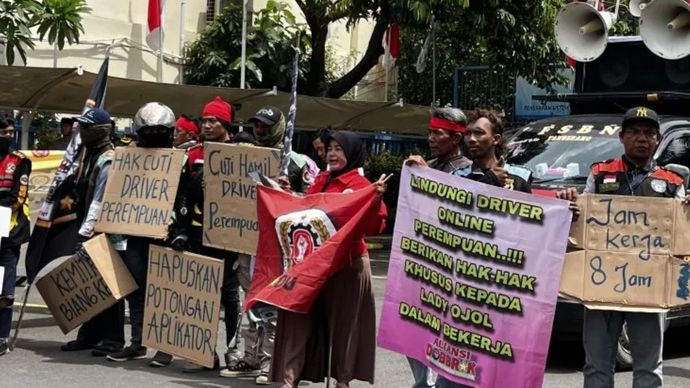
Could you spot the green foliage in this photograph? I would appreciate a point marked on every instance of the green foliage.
(46, 134)
(215, 58)
(386, 163)
(516, 38)
(60, 20)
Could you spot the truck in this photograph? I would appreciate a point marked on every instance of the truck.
(559, 151)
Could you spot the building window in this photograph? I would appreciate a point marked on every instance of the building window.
(210, 10)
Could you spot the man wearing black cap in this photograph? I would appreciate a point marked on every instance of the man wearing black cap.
(635, 174)
(105, 331)
(269, 131)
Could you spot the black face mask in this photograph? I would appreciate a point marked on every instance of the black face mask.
(5, 145)
(95, 135)
(155, 140)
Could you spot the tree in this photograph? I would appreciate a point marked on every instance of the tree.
(214, 58)
(59, 19)
(515, 38)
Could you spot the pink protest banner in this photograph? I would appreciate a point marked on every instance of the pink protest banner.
(473, 279)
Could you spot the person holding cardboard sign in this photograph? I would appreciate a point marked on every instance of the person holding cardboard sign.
(187, 230)
(104, 332)
(154, 124)
(15, 168)
(269, 129)
(633, 174)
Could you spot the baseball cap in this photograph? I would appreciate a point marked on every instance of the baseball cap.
(641, 114)
(95, 116)
(268, 115)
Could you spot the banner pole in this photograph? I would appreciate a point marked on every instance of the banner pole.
(21, 317)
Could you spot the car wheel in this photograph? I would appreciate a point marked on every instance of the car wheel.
(624, 356)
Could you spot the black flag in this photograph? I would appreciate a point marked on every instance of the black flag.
(55, 232)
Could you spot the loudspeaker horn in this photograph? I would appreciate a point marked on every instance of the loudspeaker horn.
(582, 31)
(665, 28)
(636, 7)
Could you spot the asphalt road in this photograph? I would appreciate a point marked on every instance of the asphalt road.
(38, 362)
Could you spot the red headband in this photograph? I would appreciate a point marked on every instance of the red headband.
(439, 123)
(187, 125)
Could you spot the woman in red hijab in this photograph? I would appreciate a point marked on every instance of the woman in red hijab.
(345, 308)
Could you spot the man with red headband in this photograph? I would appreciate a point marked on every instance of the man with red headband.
(446, 129)
(186, 132)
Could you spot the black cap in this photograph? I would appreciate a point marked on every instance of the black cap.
(268, 115)
(640, 114)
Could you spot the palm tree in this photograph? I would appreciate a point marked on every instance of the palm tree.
(60, 20)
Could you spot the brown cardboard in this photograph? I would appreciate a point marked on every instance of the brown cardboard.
(596, 279)
(182, 307)
(682, 240)
(140, 192)
(634, 225)
(111, 267)
(230, 220)
(75, 291)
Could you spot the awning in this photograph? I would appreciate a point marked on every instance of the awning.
(65, 90)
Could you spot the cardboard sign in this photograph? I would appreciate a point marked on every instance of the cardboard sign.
(625, 258)
(140, 192)
(5, 219)
(80, 288)
(473, 279)
(230, 221)
(182, 307)
(624, 282)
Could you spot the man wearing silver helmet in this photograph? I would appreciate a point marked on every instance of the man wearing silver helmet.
(154, 124)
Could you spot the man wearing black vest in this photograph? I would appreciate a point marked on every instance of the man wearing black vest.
(636, 174)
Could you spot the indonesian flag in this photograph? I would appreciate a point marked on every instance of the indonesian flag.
(155, 35)
(304, 241)
(391, 40)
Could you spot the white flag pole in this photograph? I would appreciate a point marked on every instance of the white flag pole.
(160, 48)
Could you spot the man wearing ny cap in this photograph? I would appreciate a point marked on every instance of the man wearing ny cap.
(633, 174)
(269, 131)
(105, 331)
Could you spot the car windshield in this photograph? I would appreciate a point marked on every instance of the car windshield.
(564, 149)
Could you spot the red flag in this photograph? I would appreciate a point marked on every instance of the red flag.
(392, 37)
(304, 241)
(154, 35)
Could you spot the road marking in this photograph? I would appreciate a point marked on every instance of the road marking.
(379, 277)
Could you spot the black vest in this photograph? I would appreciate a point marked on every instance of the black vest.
(615, 177)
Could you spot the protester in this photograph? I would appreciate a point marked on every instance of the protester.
(188, 226)
(154, 124)
(66, 124)
(186, 132)
(634, 174)
(345, 307)
(446, 129)
(126, 139)
(485, 146)
(16, 169)
(319, 145)
(104, 332)
(269, 129)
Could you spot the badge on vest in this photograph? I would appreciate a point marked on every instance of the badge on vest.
(658, 185)
(609, 184)
(10, 168)
(612, 186)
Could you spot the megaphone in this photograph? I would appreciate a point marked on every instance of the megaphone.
(636, 7)
(665, 28)
(582, 31)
